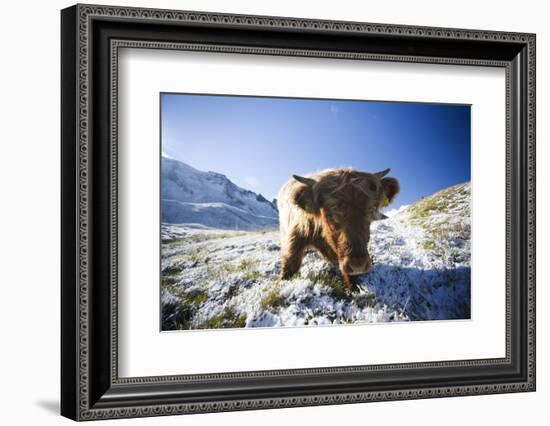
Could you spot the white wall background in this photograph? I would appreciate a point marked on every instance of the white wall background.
(29, 213)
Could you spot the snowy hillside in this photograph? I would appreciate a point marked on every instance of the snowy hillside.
(211, 199)
(213, 278)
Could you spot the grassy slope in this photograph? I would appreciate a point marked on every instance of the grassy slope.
(228, 279)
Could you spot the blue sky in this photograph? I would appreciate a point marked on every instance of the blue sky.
(259, 143)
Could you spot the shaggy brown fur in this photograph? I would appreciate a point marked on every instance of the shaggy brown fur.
(331, 211)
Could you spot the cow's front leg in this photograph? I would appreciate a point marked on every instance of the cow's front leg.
(326, 251)
(293, 255)
(350, 281)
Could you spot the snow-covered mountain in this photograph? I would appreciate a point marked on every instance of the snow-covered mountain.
(191, 196)
(421, 271)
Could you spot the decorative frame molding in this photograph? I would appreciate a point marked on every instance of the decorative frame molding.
(91, 388)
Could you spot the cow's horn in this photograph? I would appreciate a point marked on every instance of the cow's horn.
(304, 180)
(383, 173)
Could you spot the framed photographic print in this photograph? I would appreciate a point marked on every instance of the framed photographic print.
(263, 212)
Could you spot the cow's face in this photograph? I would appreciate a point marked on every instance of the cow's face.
(346, 202)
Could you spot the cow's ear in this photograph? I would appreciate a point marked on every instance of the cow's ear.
(390, 188)
(305, 199)
(304, 196)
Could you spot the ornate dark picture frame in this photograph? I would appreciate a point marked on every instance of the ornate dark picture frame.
(90, 38)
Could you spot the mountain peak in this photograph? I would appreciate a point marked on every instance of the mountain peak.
(193, 196)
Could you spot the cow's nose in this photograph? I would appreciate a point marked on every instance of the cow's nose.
(357, 265)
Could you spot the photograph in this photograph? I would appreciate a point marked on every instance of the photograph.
(346, 208)
(292, 212)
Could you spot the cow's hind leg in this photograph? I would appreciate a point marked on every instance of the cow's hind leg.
(293, 255)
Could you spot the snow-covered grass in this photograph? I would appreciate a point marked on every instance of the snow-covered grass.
(215, 278)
